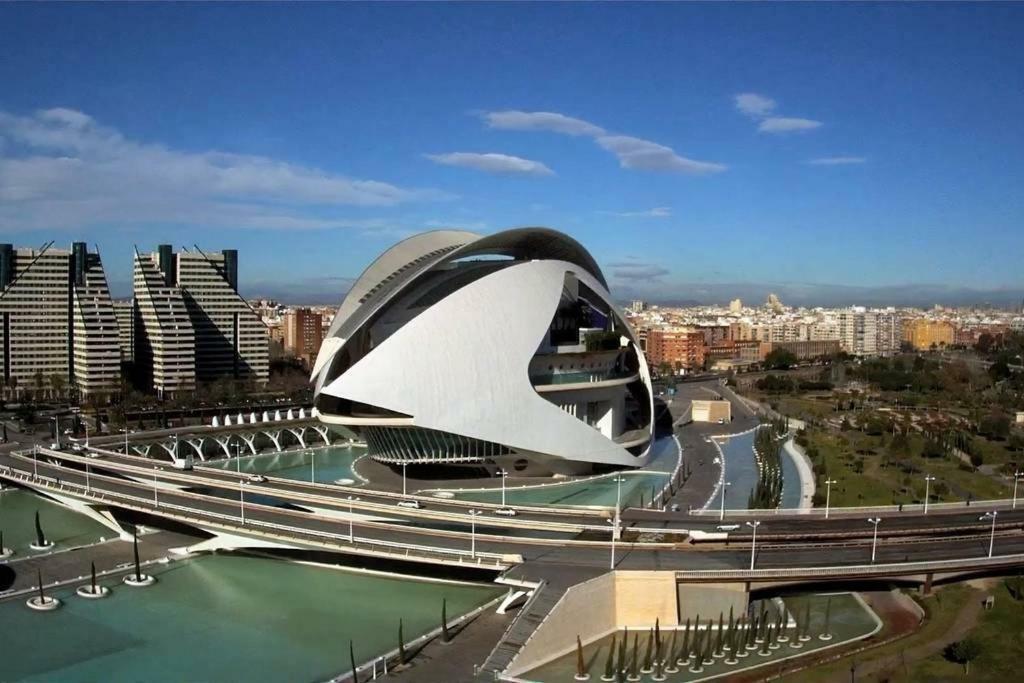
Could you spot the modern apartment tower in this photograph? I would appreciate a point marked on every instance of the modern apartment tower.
(193, 325)
(57, 323)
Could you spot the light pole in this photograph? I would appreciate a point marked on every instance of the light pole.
(753, 541)
(992, 536)
(351, 536)
(615, 532)
(312, 467)
(1016, 477)
(35, 461)
(126, 452)
(828, 494)
(88, 486)
(874, 537)
(403, 480)
(472, 531)
(241, 499)
(502, 474)
(928, 479)
(238, 461)
(721, 511)
(156, 503)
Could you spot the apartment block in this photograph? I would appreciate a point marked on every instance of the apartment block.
(681, 349)
(858, 331)
(57, 324)
(925, 334)
(192, 324)
(303, 333)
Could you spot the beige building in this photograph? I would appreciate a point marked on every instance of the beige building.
(928, 334)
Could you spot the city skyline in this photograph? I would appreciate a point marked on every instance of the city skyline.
(715, 159)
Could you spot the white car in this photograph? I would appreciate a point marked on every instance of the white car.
(414, 504)
(506, 512)
(728, 527)
(257, 479)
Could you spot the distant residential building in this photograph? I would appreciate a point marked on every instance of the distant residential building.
(925, 334)
(195, 326)
(711, 411)
(58, 327)
(303, 333)
(682, 349)
(124, 311)
(637, 306)
(735, 306)
(858, 331)
(888, 333)
(774, 304)
(806, 350)
(746, 351)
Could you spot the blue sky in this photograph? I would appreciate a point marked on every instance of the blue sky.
(691, 147)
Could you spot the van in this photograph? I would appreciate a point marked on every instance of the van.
(413, 504)
(506, 512)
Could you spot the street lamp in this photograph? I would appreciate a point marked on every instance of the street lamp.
(721, 511)
(928, 479)
(156, 503)
(828, 494)
(1016, 477)
(615, 532)
(403, 480)
(351, 536)
(992, 536)
(502, 474)
(874, 538)
(753, 541)
(312, 467)
(472, 531)
(241, 499)
(238, 460)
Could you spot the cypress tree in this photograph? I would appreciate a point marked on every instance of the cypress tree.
(135, 555)
(92, 567)
(670, 655)
(352, 660)
(40, 538)
(646, 668)
(718, 637)
(827, 633)
(609, 662)
(807, 620)
(684, 649)
(581, 668)
(401, 644)
(445, 636)
(39, 578)
(633, 672)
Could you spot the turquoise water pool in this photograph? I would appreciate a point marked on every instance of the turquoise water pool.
(331, 463)
(226, 618)
(60, 525)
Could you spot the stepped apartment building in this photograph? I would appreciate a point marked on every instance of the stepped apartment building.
(57, 324)
(192, 325)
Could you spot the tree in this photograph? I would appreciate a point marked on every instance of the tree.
(780, 359)
(984, 343)
(999, 370)
(57, 384)
(964, 652)
(995, 426)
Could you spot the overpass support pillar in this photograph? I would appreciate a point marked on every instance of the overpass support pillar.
(225, 444)
(101, 515)
(322, 431)
(197, 444)
(926, 589)
(300, 434)
(275, 436)
(250, 441)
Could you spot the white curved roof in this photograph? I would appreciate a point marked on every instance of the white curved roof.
(461, 366)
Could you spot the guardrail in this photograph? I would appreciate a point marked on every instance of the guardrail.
(997, 503)
(494, 561)
(902, 568)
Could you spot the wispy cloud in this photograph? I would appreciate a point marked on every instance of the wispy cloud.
(761, 108)
(632, 152)
(541, 120)
(656, 212)
(61, 168)
(836, 161)
(754, 105)
(644, 155)
(492, 163)
(782, 124)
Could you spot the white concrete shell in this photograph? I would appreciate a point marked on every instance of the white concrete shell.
(458, 368)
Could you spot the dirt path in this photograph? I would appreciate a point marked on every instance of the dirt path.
(884, 667)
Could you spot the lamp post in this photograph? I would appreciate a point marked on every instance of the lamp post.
(312, 467)
(351, 535)
(874, 537)
(126, 452)
(502, 474)
(928, 479)
(1017, 474)
(828, 494)
(238, 461)
(88, 485)
(156, 503)
(472, 531)
(753, 541)
(721, 511)
(241, 499)
(35, 461)
(615, 534)
(992, 535)
(403, 480)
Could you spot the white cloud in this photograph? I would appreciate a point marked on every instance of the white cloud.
(781, 124)
(632, 269)
(633, 153)
(541, 120)
(60, 168)
(754, 105)
(836, 161)
(492, 163)
(639, 154)
(656, 212)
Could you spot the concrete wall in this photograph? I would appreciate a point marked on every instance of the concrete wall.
(643, 597)
(711, 599)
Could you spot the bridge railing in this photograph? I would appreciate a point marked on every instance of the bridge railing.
(899, 568)
(996, 503)
(494, 561)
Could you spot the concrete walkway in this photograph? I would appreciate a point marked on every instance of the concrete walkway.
(803, 467)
